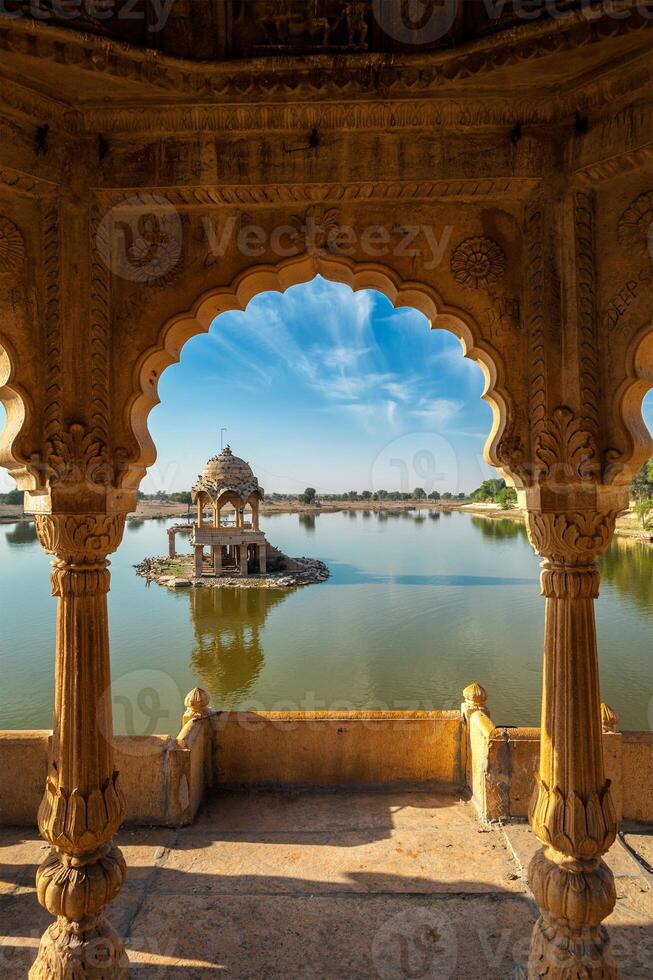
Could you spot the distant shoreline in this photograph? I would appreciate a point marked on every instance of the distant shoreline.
(627, 526)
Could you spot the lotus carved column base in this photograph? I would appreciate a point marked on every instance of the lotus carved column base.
(568, 941)
(86, 950)
(81, 943)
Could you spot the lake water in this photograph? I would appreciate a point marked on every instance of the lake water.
(419, 605)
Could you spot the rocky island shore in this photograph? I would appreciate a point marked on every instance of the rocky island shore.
(179, 573)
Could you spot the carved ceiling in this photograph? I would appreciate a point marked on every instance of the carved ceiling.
(212, 29)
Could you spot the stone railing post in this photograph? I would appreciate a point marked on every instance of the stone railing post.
(82, 807)
(475, 700)
(197, 704)
(571, 811)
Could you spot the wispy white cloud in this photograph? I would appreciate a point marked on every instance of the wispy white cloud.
(437, 411)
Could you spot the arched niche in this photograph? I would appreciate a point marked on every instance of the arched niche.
(621, 468)
(358, 276)
(18, 413)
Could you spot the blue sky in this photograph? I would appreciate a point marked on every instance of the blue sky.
(324, 387)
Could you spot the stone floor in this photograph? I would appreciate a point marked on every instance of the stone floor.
(326, 885)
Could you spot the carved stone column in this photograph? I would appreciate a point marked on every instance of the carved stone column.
(571, 811)
(83, 806)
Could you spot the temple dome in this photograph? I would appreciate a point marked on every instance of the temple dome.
(227, 473)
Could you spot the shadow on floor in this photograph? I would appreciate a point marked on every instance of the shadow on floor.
(317, 885)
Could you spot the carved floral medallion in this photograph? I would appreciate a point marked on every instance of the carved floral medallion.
(636, 227)
(478, 263)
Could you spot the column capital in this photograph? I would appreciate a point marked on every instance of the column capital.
(572, 527)
(80, 539)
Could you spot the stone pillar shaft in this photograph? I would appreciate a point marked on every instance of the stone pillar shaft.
(571, 811)
(82, 807)
(262, 559)
(199, 561)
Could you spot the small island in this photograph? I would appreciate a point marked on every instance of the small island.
(229, 549)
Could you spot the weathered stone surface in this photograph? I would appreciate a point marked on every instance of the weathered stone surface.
(502, 188)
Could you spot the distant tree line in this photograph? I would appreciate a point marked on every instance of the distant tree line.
(13, 497)
(310, 496)
(183, 497)
(496, 492)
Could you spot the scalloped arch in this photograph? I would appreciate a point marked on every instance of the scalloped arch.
(269, 278)
(18, 408)
(630, 397)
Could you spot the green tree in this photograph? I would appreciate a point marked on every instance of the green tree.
(642, 485)
(507, 497)
(434, 495)
(419, 493)
(366, 495)
(644, 511)
(183, 497)
(14, 497)
(308, 496)
(447, 496)
(488, 490)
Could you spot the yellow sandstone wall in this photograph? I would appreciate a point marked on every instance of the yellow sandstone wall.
(159, 776)
(502, 763)
(165, 779)
(339, 748)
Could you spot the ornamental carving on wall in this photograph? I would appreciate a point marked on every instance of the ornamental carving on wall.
(12, 247)
(316, 231)
(636, 227)
(565, 449)
(77, 456)
(478, 263)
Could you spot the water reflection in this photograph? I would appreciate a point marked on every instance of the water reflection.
(628, 566)
(21, 534)
(500, 529)
(228, 655)
(307, 521)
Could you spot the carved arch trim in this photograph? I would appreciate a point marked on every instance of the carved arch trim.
(622, 467)
(266, 278)
(19, 411)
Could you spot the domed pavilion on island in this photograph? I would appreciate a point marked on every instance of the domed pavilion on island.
(227, 487)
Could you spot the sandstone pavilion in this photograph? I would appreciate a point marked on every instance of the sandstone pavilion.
(227, 486)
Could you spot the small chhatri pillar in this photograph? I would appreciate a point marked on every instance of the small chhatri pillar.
(199, 561)
(243, 559)
(217, 559)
